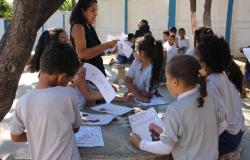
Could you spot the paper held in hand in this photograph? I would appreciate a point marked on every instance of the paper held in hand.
(94, 75)
(140, 123)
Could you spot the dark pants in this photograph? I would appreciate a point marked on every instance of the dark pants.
(228, 142)
(121, 59)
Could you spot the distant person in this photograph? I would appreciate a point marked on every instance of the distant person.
(183, 41)
(143, 28)
(173, 31)
(165, 36)
(48, 116)
(83, 35)
(172, 49)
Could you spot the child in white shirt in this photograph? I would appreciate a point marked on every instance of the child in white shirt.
(183, 42)
(48, 116)
(144, 74)
(172, 49)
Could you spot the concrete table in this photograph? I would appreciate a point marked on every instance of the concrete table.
(116, 141)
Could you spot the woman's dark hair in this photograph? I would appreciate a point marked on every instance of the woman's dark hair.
(201, 33)
(235, 75)
(153, 49)
(215, 52)
(187, 68)
(76, 15)
(45, 39)
(59, 58)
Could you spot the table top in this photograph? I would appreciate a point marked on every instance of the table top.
(116, 141)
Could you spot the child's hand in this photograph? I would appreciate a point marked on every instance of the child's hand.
(80, 76)
(135, 139)
(129, 96)
(156, 128)
(203, 72)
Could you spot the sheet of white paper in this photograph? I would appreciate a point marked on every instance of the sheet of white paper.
(120, 37)
(94, 75)
(154, 101)
(126, 49)
(246, 52)
(96, 119)
(112, 109)
(140, 122)
(89, 137)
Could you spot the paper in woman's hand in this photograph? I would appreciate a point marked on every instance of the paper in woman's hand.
(94, 75)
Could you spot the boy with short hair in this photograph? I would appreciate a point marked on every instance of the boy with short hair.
(49, 113)
(172, 49)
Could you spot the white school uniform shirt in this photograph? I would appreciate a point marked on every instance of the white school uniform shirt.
(49, 117)
(183, 43)
(120, 46)
(171, 52)
(141, 78)
(192, 131)
(226, 94)
(165, 46)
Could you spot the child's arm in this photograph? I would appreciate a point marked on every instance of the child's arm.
(154, 147)
(132, 89)
(130, 85)
(82, 84)
(19, 138)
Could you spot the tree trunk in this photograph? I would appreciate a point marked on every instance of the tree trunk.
(194, 23)
(207, 13)
(17, 43)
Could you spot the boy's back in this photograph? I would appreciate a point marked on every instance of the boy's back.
(49, 115)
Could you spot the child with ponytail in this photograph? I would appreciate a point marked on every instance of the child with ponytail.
(145, 73)
(192, 123)
(213, 52)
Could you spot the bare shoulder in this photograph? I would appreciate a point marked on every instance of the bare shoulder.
(77, 28)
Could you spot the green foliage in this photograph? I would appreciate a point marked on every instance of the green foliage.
(5, 10)
(66, 6)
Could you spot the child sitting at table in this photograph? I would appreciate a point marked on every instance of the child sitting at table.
(48, 116)
(144, 74)
(192, 123)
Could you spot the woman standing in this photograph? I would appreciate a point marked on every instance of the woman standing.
(83, 35)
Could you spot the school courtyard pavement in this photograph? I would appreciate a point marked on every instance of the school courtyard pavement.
(28, 81)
